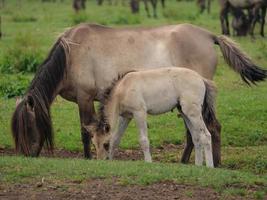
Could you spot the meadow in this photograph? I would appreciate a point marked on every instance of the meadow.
(30, 28)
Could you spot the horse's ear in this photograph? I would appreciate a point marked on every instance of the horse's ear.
(30, 102)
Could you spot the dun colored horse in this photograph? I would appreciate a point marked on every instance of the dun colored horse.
(134, 4)
(155, 92)
(240, 23)
(78, 5)
(203, 4)
(255, 7)
(87, 58)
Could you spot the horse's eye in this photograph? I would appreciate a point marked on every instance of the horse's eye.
(106, 146)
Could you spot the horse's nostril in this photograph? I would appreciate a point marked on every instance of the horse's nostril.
(106, 146)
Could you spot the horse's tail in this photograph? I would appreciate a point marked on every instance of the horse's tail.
(31, 122)
(208, 110)
(239, 61)
(212, 124)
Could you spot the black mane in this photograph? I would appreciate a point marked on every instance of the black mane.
(41, 93)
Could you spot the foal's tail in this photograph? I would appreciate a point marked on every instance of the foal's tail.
(208, 110)
(239, 61)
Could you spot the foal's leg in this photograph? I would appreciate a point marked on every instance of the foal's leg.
(140, 118)
(200, 134)
(116, 137)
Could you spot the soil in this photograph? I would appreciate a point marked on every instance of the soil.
(121, 154)
(108, 189)
(102, 189)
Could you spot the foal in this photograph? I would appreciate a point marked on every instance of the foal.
(155, 92)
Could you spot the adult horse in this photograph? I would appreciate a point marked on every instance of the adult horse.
(87, 58)
(254, 5)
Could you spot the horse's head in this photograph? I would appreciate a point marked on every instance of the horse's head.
(100, 134)
(30, 124)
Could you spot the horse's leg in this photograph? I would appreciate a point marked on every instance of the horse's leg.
(255, 12)
(263, 14)
(224, 18)
(87, 113)
(146, 7)
(154, 5)
(140, 119)
(116, 137)
(215, 131)
(201, 5)
(208, 6)
(188, 147)
(163, 3)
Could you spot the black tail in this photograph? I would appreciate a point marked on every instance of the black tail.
(213, 125)
(239, 61)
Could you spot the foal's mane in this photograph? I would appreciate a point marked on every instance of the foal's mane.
(103, 121)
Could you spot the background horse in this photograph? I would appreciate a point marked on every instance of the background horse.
(254, 5)
(203, 4)
(87, 58)
(155, 92)
(240, 22)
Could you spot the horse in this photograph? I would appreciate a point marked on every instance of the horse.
(155, 92)
(134, 4)
(202, 5)
(77, 5)
(254, 5)
(240, 23)
(88, 57)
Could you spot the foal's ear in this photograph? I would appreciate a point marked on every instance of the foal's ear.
(106, 128)
(30, 102)
(90, 128)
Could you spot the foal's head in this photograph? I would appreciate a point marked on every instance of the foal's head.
(100, 134)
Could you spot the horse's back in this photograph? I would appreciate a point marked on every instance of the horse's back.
(98, 54)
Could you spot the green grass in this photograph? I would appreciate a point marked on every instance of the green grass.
(28, 169)
(242, 110)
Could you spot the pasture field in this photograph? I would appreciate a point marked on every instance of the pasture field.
(29, 30)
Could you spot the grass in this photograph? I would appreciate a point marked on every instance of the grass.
(128, 172)
(242, 110)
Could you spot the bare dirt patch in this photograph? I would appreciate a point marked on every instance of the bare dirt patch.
(166, 153)
(106, 189)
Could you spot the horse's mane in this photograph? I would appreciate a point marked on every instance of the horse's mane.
(49, 74)
(105, 98)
